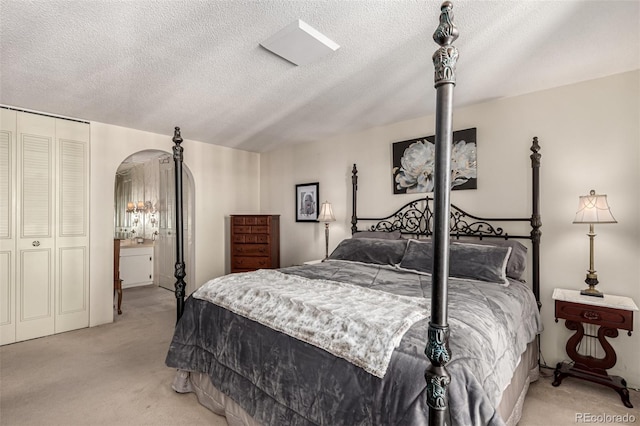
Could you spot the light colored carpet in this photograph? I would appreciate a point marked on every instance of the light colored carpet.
(112, 374)
(115, 374)
(576, 402)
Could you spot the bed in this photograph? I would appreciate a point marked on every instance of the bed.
(342, 342)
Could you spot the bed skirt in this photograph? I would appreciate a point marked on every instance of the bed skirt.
(512, 401)
(510, 407)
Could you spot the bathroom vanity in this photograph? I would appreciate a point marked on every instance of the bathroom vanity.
(136, 263)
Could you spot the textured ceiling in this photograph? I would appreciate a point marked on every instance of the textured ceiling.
(152, 65)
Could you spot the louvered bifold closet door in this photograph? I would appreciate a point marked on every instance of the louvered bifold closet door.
(7, 226)
(72, 226)
(35, 226)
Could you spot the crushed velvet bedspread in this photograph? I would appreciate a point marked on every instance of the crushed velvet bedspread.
(356, 323)
(279, 380)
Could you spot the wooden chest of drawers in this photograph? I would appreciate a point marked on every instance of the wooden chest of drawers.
(255, 242)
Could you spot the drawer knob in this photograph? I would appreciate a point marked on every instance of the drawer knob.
(591, 315)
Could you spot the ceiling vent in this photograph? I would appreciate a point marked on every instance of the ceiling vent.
(299, 43)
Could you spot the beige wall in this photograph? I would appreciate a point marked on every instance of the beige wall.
(226, 180)
(590, 138)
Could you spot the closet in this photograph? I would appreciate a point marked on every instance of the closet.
(44, 225)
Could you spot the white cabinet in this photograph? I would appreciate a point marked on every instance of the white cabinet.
(136, 265)
(44, 225)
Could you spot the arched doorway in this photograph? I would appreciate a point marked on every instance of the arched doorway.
(144, 215)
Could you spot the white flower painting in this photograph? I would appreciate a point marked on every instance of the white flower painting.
(413, 162)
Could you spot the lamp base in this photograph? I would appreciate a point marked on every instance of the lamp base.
(591, 292)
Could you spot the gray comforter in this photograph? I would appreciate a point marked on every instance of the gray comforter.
(279, 380)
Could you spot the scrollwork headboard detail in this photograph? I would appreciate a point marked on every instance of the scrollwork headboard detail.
(416, 219)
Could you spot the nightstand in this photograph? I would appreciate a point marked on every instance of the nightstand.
(609, 314)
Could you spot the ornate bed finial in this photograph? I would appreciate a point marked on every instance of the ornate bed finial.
(177, 148)
(176, 136)
(445, 58)
(535, 157)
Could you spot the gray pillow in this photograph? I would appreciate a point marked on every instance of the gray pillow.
(385, 235)
(517, 262)
(474, 261)
(418, 256)
(370, 250)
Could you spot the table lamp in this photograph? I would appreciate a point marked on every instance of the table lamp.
(592, 209)
(326, 216)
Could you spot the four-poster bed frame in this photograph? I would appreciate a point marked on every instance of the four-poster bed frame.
(417, 218)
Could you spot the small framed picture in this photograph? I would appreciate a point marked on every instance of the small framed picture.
(307, 206)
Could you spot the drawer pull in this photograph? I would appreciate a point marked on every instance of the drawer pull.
(35, 243)
(591, 315)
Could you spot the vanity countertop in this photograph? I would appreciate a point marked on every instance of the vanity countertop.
(127, 244)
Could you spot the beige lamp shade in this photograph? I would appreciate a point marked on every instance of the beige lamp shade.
(594, 208)
(326, 213)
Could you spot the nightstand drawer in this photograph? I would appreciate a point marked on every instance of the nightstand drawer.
(600, 315)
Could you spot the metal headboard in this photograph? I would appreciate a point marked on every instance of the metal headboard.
(415, 219)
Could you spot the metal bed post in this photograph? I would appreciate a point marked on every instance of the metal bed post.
(179, 268)
(354, 191)
(437, 349)
(536, 222)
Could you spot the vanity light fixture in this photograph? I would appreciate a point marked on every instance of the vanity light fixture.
(138, 208)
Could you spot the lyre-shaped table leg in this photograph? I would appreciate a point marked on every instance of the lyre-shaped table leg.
(591, 368)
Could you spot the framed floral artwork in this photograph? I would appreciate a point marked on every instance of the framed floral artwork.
(307, 207)
(413, 163)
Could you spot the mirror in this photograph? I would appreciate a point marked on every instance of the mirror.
(138, 195)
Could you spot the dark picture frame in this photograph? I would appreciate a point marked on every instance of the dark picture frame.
(413, 162)
(307, 205)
